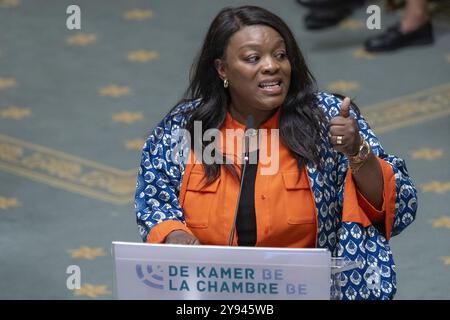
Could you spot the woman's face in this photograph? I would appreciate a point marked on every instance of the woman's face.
(257, 68)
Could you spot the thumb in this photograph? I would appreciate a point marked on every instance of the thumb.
(345, 108)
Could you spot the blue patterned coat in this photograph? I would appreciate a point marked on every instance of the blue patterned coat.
(159, 182)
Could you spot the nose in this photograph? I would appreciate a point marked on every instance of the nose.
(270, 66)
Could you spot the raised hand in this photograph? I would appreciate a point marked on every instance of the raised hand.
(343, 131)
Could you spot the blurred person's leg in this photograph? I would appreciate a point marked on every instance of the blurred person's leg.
(416, 15)
(415, 28)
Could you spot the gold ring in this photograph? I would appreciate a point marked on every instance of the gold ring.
(339, 139)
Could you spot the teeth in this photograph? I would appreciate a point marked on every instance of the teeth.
(269, 84)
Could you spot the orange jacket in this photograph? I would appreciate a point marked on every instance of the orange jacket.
(286, 213)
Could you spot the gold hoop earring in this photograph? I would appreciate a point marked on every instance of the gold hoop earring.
(225, 83)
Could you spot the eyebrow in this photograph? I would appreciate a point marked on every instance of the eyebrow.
(256, 45)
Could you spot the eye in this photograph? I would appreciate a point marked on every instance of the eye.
(281, 55)
(252, 58)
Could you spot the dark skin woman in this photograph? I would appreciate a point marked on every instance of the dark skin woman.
(257, 70)
(329, 184)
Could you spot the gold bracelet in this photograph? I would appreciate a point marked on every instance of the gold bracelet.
(357, 161)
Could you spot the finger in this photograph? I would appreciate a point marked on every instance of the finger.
(345, 108)
(173, 240)
(181, 241)
(178, 239)
(338, 130)
(336, 139)
(348, 138)
(338, 121)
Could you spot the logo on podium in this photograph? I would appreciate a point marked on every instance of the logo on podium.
(151, 278)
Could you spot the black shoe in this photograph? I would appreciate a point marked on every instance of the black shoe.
(320, 18)
(394, 39)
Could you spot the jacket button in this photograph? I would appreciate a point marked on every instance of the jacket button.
(263, 197)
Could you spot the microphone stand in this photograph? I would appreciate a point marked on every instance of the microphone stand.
(249, 125)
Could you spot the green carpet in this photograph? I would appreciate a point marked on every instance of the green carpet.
(76, 106)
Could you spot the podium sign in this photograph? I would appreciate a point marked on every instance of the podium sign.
(174, 272)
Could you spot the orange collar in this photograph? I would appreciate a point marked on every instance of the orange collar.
(271, 123)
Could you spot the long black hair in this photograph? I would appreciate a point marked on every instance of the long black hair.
(300, 119)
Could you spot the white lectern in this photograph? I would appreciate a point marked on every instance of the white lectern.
(174, 272)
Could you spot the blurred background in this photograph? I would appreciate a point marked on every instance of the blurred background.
(77, 105)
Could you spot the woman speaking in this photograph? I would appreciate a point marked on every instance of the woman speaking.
(333, 185)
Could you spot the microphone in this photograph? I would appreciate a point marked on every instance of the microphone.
(249, 131)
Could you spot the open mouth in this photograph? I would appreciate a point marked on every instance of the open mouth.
(271, 87)
(270, 84)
